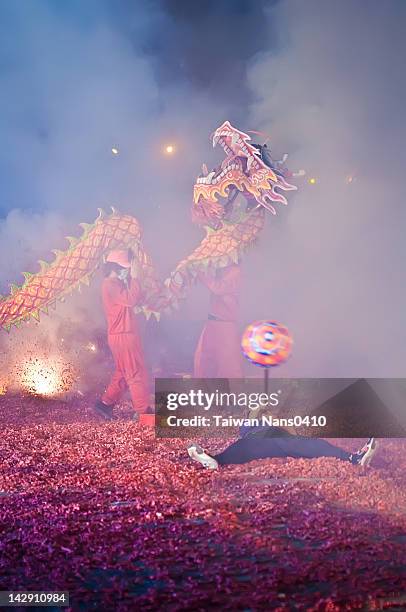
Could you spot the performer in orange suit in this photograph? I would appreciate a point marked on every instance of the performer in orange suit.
(119, 300)
(218, 353)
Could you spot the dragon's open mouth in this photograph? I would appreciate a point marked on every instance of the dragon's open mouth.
(216, 176)
(243, 169)
(233, 161)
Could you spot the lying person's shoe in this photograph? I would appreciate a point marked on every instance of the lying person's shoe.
(365, 454)
(104, 410)
(196, 453)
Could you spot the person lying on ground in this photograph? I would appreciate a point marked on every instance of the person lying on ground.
(265, 442)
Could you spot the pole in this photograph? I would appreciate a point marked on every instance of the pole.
(266, 380)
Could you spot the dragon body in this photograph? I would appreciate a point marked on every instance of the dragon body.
(69, 270)
(231, 228)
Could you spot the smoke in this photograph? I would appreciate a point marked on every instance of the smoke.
(328, 88)
(331, 266)
(78, 85)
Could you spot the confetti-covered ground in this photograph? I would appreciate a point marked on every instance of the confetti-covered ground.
(123, 521)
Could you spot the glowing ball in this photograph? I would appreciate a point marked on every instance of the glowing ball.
(266, 343)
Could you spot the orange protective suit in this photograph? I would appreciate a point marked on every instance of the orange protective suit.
(125, 344)
(218, 353)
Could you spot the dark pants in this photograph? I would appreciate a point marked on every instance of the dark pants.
(251, 448)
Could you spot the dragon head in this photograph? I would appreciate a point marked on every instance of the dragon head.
(247, 169)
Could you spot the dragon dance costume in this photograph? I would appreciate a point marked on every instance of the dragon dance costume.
(218, 353)
(232, 225)
(119, 301)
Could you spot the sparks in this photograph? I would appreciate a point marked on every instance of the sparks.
(44, 378)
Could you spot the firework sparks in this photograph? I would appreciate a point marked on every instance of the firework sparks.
(46, 378)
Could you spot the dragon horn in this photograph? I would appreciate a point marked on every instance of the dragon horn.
(85, 280)
(86, 227)
(35, 314)
(43, 265)
(27, 276)
(72, 241)
(101, 214)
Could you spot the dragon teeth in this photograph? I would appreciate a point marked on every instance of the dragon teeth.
(206, 180)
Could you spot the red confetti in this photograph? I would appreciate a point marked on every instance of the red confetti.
(119, 518)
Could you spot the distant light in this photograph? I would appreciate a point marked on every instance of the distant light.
(312, 181)
(114, 150)
(170, 149)
(350, 179)
(91, 347)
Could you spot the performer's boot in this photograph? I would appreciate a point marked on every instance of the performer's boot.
(104, 410)
(136, 415)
